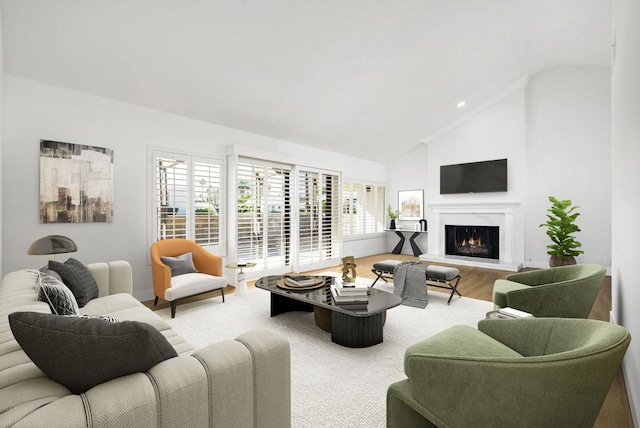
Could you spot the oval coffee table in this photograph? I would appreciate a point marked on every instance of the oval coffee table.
(351, 328)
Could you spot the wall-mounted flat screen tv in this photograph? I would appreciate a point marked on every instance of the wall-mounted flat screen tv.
(474, 177)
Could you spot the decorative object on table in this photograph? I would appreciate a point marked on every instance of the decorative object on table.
(76, 183)
(560, 227)
(410, 204)
(423, 225)
(300, 282)
(52, 244)
(393, 215)
(355, 302)
(348, 269)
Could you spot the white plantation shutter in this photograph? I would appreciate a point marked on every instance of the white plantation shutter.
(172, 195)
(207, 183)
(264, 213)
(188, 197)
(364, 208)
(349, 208)
(319, 217)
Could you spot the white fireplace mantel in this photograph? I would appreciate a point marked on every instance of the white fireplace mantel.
(495, 213)
(482, 207)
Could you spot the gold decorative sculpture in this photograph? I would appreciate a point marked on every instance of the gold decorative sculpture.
(348, 269)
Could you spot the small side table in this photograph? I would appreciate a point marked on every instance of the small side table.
(241, 280)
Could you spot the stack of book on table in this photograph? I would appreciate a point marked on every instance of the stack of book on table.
(300, 280)
(351, 297)
(513, 313)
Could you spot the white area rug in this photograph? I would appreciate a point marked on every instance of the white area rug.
(331, 386)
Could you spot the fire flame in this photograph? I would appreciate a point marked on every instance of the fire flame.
(477, 242)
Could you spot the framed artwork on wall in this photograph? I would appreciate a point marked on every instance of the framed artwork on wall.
(411, 204)
(76, 183)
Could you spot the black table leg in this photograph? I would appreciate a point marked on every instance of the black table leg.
(414, 246)
(281, 304)
(356, 332)
(400, 244)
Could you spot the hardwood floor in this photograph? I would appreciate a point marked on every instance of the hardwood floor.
(477, 283)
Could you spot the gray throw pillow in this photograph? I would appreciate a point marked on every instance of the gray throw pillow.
(77, 277)
(81, 353)
(180, 265)
(60, 299)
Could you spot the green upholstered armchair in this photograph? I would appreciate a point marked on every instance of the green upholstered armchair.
(536, 372)
(566, 291)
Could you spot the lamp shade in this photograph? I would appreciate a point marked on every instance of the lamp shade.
(52, 244)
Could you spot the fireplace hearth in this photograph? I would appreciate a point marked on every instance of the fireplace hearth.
(472, 241)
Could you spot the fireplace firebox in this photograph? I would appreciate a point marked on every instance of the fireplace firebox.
(472, 241)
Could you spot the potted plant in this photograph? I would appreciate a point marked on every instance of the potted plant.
(393, 215)
(560, 225)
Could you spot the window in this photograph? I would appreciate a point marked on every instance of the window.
(264, 213)
(363, 208)
(188, 198)
(319, 217)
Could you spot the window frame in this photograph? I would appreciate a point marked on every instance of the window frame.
(191, 159)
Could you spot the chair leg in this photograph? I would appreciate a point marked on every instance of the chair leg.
(155, 301)
(173, 309)
(222, 292)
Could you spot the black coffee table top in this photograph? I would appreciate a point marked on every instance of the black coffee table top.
(379, 301)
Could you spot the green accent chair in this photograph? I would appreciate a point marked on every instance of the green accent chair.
(535, 372)
(565, 292)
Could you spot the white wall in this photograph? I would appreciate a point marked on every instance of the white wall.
(568, 156)
(555, 132)
(496, 132)
(408, 172)
(34, 111)
(625, 136)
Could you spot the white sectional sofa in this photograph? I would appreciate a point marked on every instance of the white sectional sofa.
(234, 383)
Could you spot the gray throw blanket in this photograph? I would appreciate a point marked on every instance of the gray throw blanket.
(409, 282)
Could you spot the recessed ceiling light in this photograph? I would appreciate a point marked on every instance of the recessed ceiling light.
(461, 104)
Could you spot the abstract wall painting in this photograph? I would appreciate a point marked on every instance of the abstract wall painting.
(76, 183)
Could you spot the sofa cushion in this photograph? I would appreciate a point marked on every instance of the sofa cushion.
(60, 299)
(180, 265)
(81, 353)
(77, 277)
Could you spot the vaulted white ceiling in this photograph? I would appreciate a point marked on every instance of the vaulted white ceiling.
(353, 76)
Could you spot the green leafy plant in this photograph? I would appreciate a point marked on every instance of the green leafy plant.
(391, 213)
(560, 227)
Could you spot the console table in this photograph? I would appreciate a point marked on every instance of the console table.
(412, 240)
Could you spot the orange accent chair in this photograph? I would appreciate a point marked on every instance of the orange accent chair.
(173, 288)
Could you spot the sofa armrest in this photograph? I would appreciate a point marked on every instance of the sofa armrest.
(272, 377)
(529, 337)
(532, 278)
(206, 262)
(566, 300)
